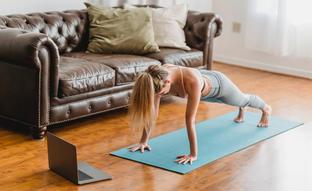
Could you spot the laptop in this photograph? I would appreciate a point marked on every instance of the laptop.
(63, 161)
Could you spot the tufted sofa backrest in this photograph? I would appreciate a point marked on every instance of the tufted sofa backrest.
(68, 29)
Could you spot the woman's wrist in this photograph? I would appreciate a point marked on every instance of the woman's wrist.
(193, 155)
(144, 142)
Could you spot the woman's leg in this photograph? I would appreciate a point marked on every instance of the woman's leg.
(240, 116)
(230, 94)
(266, 112)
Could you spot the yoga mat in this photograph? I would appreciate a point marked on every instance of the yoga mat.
(216, 138)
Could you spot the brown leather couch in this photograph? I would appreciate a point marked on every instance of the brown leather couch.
(46, 77)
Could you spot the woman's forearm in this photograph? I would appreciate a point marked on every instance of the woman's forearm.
(191, 132)
(145, 136)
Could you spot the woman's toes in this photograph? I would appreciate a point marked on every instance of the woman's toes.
(238, 120)
(263, 125)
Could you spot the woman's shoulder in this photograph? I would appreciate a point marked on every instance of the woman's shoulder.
(193, 77)
(169, 65)
(192, 72)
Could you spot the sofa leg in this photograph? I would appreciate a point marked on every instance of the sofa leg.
(39, 133)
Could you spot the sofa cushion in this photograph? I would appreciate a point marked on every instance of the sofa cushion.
(79, 76)
(192, 58)
(127, 67)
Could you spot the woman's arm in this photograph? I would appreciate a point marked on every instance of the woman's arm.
(146, 133)
(190, 115)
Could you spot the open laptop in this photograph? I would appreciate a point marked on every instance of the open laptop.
(63, 161)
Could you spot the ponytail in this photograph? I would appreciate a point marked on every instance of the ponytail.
(142, 109)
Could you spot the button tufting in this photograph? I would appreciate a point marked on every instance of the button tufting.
(109, 102)
(68, 111)
(90, 107)
(77, 28)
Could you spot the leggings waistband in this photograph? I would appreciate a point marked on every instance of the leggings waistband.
(214, 80)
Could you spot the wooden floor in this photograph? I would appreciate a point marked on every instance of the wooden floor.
(281, 163)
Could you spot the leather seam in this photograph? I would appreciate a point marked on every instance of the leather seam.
(89, 114)
(85, 77)
(91, 98)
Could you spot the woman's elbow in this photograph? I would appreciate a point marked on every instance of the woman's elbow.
(190, 121)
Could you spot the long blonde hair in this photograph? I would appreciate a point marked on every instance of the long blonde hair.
(141, 108)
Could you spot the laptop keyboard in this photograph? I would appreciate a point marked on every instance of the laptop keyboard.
(83, 176)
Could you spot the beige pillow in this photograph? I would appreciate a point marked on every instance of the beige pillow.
(168, 24)
(120, 31)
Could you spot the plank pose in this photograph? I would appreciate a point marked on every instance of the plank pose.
(190, 83)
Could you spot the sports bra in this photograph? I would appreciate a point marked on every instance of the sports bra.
(182, 81)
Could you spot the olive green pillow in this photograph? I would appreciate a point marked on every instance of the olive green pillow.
(120, 31)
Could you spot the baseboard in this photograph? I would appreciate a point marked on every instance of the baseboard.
(264, 66)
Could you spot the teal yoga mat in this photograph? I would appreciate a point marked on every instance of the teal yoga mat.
(216, 137)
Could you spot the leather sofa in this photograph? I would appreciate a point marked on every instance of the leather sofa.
(47, 78)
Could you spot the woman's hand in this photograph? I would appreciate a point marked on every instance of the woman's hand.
(184, 159)
(141, 147)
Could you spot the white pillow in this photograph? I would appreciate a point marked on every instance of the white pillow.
(168, 24)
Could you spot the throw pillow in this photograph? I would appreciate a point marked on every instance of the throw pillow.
(168, 24)
(120, 31)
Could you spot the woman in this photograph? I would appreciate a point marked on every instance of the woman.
(190, 83)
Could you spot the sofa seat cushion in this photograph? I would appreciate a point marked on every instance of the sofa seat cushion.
(191, 58)
(78, 76)
(127, 67)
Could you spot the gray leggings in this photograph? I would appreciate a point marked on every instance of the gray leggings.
(223, 90)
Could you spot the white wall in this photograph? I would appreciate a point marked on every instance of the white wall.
(28, 6)
(197, 5)
(201, 5)
(229, 47)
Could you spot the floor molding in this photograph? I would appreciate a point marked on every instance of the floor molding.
(264, 66)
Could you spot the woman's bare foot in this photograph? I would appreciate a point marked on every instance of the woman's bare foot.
(266, 112)
(240, 116)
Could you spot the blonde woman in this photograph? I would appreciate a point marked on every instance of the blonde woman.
(194, 85)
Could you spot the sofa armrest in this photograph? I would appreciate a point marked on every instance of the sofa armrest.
(25, 49)
(22, 48)
(200, 30)
(28, 76)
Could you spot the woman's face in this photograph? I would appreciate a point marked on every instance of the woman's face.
(165, 89)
